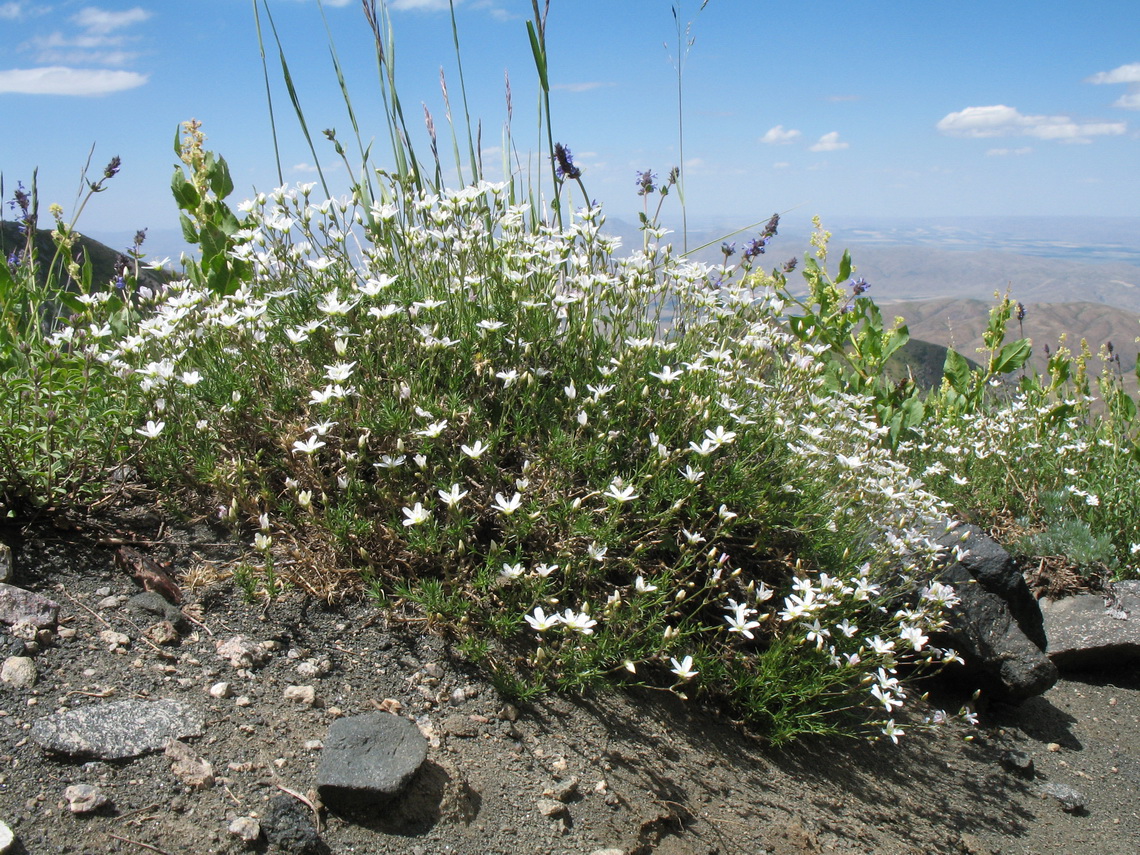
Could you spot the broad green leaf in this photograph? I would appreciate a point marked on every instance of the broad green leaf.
(844, 267)
(956, 371)
(1012, 356)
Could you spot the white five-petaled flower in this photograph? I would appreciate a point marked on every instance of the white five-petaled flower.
(262, 542)
(739, 621)
(721, 436)
(540, 621)
(321, 428)
(692, 537)
(620, 493)
(151, 430)
(684, 669)
(579, 622)
(643, 587)
(308, 446)
(331, 304)
(387, 461)
(191, 378)
(452, 496)
(490, 325)
(512, 571)
(508, 377)
(338, 372)
(667, 375)
(474, 451)
(434, 429)
(598, 553)
(507, 506)
(693, 476)
(545, 570)
(893, 731)
(416, 515)
(706, 447)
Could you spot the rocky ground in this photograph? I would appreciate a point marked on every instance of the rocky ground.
(616, 773)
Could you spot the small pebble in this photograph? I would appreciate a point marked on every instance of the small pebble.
(220, 690)
(18, 671)
(246, 827)
(84, 798)
(301, 694)
(1072, 800)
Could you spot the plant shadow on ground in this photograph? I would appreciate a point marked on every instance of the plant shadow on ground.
(690, 761)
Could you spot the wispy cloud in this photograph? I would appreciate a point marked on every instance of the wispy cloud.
(829, 142)
(59, 80)
(1006, 152)
(66, 57)
(1129, 74)
(779, 136)
(1001, 121)
(581, 87)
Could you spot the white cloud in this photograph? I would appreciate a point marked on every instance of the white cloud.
(829, 142)
(1004, 152)
(779, 136)
(1124, 74)
(10, 11)
(101, 22)
(1129, 74)
(1001, 121)
(59, 80)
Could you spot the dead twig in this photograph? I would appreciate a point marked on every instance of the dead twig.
(139, 843)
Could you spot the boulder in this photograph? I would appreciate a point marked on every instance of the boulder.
(368, 760)
(997, 627)
(1095, 630)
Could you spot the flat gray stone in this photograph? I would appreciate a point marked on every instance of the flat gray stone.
(117, 731)
(368, 760)
(1093, 630)
(20, 606)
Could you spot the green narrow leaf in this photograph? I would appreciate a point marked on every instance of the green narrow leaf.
(539, 56)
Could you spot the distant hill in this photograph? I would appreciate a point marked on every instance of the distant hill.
(104, 259)
(959, 323)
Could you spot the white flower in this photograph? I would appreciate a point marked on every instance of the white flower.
(706, 447)
(666, 375)
(620, 493)
(684, 669)
(321, 428)
(474, 451)
(693, 476)
(738, 621)
(571, 391)
(191, 378)
(490, 325)
(453, 496)
(540, 621)
(262, 542)
(579, 622)
(507, 506)
(721, 436)
(545, 570)
(331, 304)
(339, 371)
(725, 514)
(416, 515)
(387, 461)
(308, 446)
(692, 537)
(508, 377)
(643, 587)
(960, 480)
(913, 636)
(151, 430)
(853, 462)
(512, 571)
(434, 429)
(598, 553)
(893, 731)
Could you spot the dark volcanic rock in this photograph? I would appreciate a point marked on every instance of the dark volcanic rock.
(117, 731)
(290, 828)
(368, 760)
(997, 627)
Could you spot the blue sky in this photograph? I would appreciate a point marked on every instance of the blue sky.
(845, 109)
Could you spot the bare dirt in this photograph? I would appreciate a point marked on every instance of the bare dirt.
(617, 772)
